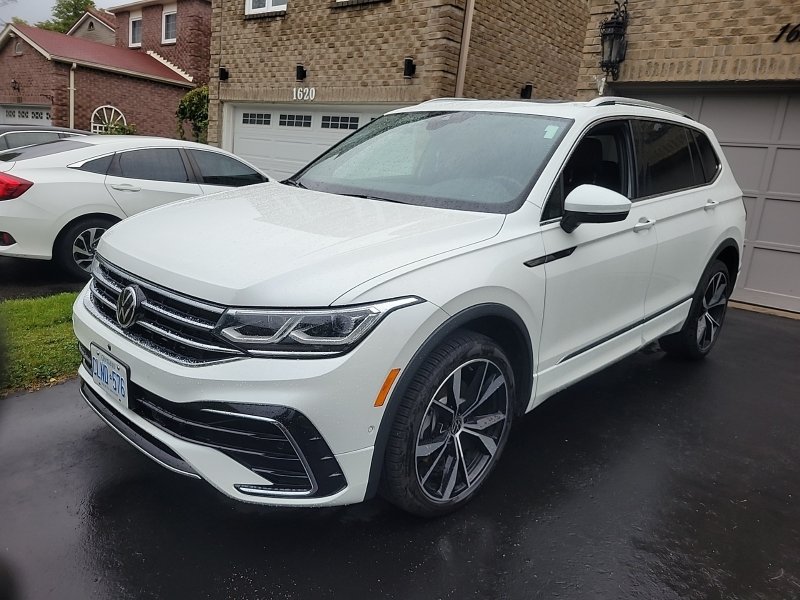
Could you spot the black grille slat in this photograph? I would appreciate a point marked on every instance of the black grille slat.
(175, 326)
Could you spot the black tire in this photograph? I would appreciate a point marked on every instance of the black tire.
(84, 234)
(470, 427)
(700, 332)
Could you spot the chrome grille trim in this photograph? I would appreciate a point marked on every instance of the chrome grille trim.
(170, 325)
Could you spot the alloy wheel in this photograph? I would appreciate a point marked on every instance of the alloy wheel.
(85, 246)
(461, 430)
(715, 302)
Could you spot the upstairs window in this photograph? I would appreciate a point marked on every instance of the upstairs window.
(169, 24)
(255, 7)
(135, 29)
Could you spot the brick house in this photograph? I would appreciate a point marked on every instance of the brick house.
(97, 26)
(735, 66)
(289, 78)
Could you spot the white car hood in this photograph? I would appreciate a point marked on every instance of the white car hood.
(274, 245)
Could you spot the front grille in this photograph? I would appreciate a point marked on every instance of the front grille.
(274, 442)
(169, 324)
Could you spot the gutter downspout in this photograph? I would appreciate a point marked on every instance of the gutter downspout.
(466, 33)
(72, 95)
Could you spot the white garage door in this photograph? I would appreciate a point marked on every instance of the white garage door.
(760, 133)
(16, 114)
(281, 139)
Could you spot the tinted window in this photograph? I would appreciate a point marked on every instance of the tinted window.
(708, 158)
(28, 138)
(3, 143)
(598, 159)
(98, 165)
(664, 158)
(156, 164)
(218, 169)
(42, 150)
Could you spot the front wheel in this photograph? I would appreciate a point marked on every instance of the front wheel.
(706, 316)
(77, 245)
(451, 426)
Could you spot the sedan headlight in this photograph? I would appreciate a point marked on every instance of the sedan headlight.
(317, 332)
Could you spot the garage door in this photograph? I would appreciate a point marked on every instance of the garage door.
(282, 139)
(760, 133)
(16, 114)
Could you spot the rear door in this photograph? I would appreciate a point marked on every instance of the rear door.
(217, 172)
(148, 177)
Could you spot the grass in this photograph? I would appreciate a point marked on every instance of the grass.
(39, 346)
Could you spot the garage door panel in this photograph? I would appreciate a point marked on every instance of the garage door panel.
(784, 178)
(779, 222)
(774, 271)
(747, 164)
(724, 113)
(791, 123)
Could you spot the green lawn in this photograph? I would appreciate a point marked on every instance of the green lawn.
(40, 347)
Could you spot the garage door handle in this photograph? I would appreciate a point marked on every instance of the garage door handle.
(710, 205)
(644, 224)
(125, 187)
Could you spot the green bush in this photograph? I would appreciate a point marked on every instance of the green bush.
(194, 109)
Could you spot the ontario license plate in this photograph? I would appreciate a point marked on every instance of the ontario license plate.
(111, 375)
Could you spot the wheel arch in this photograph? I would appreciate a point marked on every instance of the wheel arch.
(496, 321)
(93, 215)
(729, 253)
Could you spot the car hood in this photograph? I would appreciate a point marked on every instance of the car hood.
(275, 245)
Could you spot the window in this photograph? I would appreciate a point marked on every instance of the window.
(664, 158)
(90, 27)
(106, 118)
(254, 7)
(155, 164)
(218, 169)
(295, 121)
(18, 48)
(135, 29)
(337, 122)
(256, 118)
(169, 24)
(98, 165)
(598, 159)
(708, 158)
(29, 138)
(47, 149)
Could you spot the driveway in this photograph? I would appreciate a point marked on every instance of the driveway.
(653, 479)
(31, 278)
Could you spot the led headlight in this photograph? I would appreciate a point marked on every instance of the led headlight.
(310, 332)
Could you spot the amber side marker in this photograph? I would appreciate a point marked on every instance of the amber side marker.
(387, 385)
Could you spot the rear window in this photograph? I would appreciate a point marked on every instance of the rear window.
(708, 158)
(46, 149)
(664, 156)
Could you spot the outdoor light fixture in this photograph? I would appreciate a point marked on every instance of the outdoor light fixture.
(527, 91)
(223, 74)
(409, 68)
(301, 73)
(15, 85)
(612, 39)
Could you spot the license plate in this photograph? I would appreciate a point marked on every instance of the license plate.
(111, 375)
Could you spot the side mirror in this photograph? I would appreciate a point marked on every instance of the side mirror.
(593, 204)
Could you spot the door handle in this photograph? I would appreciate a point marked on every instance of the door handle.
(644, 224)
(125, 187)
(710, 205)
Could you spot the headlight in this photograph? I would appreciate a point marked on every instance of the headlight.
(313, 332)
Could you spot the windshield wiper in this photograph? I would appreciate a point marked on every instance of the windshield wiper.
(368, 197)
(294, 183)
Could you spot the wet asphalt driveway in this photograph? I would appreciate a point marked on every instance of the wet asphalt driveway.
(654, 479)
(20, 278)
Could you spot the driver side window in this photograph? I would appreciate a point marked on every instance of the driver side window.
(600, 158)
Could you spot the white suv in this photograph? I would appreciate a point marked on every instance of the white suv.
(377, 321)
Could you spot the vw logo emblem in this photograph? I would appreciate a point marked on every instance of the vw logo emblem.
(128, 305)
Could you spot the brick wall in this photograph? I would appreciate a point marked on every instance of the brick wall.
(689, 41)
(353, 51)
(518, 41)
(190, 51)
(31, 70)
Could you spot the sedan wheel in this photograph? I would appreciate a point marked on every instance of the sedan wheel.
(85, 246)
(77, 245)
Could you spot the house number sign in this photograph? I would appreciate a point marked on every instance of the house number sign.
(304, 93)
(791, 32)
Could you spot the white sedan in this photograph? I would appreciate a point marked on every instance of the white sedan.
(58, 198)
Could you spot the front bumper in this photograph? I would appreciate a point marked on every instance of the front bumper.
(323, 407)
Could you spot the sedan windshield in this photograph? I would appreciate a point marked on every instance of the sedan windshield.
(464, 160)
(45, 149)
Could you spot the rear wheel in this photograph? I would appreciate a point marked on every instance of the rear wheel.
(76, 246)
(451, 427)
(706, 316)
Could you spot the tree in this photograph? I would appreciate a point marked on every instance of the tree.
(18, 21)
(194, 108)
(65, 13)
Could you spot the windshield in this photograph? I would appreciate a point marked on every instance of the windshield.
(44, 149)
(478, 161)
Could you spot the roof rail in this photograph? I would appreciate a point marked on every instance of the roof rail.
(613, 100)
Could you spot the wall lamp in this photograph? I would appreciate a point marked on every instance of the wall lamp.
(612, 39)
(301, 73)
(527, 91)
(15, 85)
(409, 68)
(223, 74)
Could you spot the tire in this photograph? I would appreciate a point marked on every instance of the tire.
(76, 245)
(440, 452)
(700, 332)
